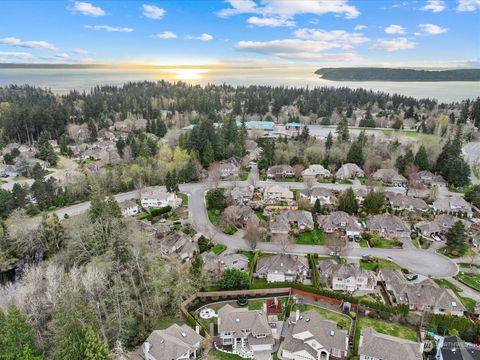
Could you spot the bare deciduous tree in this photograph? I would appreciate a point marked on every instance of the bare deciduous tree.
(253, 233)
(214, 175)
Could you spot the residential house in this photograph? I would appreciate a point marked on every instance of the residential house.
(388, 226)
(453, 205)
(8, 171)
(390, 177)
(279, 226)
(129, 208)
(422, 296)
(311, 337)
(428, 178)
(454, 348)
(241, 215)
(324, 195)
(230, 167)
(277, 193)
(347, 277)
(360, 194)
(174, 343)
(315, 171)
(340, 221)
(294, 126)
(244, 332)
(241, 195)
(349, 171)
(179, 243)
(402, 202)
(419, 193)
(216, 264)
(282, 267)
(158, 198)
(377, 346)
(280, 171)
(439, 226)
(129, 125)
(300, 219)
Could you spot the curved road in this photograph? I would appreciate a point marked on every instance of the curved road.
(418, 261)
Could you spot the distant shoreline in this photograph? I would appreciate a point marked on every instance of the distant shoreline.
(366, 74)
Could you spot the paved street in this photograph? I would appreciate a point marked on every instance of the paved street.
(418, 261)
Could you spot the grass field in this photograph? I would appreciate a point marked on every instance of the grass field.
(377, 263)
(218, 249)
(469, 279)
(343, 321)
(383, 327)
(468, 265)
(184, 198)
(214, 216)
(311, 237)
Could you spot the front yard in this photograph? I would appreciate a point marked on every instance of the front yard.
(376, 241)
(311, 237)
(377, 263)
(470, 279)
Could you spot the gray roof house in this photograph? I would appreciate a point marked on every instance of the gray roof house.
(282, 267)
(439, 225)
(349, 171)
(315, 171)
(216, 264)
(376, 346)
(422, 296)
(324, 195)
(402, 202)
(244, 332)
(279, 226)
(174, 343)
(241, 195)
(388, 226)
(389, 176)
(280, 171)
(340, 221)
(179, 243)
(454, 348)
(347, 277)
(453, 205)
(301, 219)
(311, 337)
(277, 193)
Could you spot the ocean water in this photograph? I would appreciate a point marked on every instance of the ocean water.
(64, 80)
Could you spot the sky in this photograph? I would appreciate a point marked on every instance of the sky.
(422, 33)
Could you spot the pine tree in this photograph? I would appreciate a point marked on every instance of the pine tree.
(208, 156)
(342, 130)
(329, 141)
(421, 159)
(348, 202)
(456, 237)
(355, 153)
(95, 347)
(53, 233)
(317, 207)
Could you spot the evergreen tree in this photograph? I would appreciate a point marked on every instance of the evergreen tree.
(355, 153)
(348, 202)
(421, 159)
(475, 112)
(52, 233)
(171, 182)
(234, 279)
(17, 337)
(329, 141)
(342, 130)
(95, 347)
(208, 156)
(464, 112)
(374, 202)
(456, 238)
(317, 207)
(19, 194)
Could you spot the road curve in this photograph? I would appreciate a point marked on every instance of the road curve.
(418, 261)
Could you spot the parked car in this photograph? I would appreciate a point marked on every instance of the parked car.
(334, 253)
(389, 259)
(412, 277)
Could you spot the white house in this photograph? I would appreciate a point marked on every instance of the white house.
(158, 198)
(347, 277)
(129, 208)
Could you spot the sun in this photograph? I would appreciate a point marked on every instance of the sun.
(186, 73)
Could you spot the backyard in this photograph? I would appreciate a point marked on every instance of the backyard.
(343, 321)
(383, 327)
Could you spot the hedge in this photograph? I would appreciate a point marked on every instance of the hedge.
(313, 268)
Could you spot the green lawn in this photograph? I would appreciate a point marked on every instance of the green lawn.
(343, 321)
(218, 249)
(470, 279)
(378, 263)
(311, 237)
(364, 243)
(444, 283)
(383, 327)
(463, 251)
(249, 254)
(260, 215)
(164, 322)
(244, 175)
(184, 198)
(214, 216)
(468, 265)
(218, 355)
(296, 193)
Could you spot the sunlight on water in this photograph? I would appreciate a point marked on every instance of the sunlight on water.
(182, 74)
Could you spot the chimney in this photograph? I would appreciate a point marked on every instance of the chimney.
(146, 348)
(297, 315)
(197, 329)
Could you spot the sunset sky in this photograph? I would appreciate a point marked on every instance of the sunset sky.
(242, 32)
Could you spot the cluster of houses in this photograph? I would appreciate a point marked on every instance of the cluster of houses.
(315, 172)
(23, 163)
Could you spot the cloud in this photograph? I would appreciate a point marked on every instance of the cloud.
(203, 37)
(28, 44)
(360, 27)
(166, 35)
(393, 45)
(289, 9)
(80, 51)
(87, 9)
(152, 11)
(270, 21)
(434, 6)
(468, 5)
(308, 44)
(431, 29)
(63, 56)
(395, 29)
(15, 55)
(109, 28)
(335, 38)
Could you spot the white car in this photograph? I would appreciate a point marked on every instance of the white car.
(389, 259)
